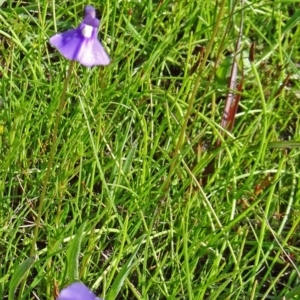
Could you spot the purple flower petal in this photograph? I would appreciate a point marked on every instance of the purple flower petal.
(76, 291)
(92, 53)
(82, 44)
(68, 43)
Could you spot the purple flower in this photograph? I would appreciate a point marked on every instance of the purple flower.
(82, 44)
(77, 291)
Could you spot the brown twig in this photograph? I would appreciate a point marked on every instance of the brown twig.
(232, 99)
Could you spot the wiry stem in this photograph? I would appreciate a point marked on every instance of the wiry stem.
(51, 157)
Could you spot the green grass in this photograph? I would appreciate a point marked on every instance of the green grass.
(127, 210)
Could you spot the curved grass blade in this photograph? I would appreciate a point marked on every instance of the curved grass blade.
(292, 22)
(73, 254)
(278, 145)
(116, 287)
(292, 293)
(18, 275)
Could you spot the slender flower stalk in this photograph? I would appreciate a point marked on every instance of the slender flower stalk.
(51, 157)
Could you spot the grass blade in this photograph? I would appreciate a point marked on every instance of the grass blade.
(292, 22)
(116, 287)
(73, 254)
(18, 275)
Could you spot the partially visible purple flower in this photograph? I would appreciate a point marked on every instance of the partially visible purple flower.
(82, 44)
(90, 11)
(77, 291)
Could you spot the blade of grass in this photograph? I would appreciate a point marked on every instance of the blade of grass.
(122, 276)
(19, 274)
(73, 254)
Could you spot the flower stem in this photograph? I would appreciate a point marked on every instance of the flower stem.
(51, 157)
